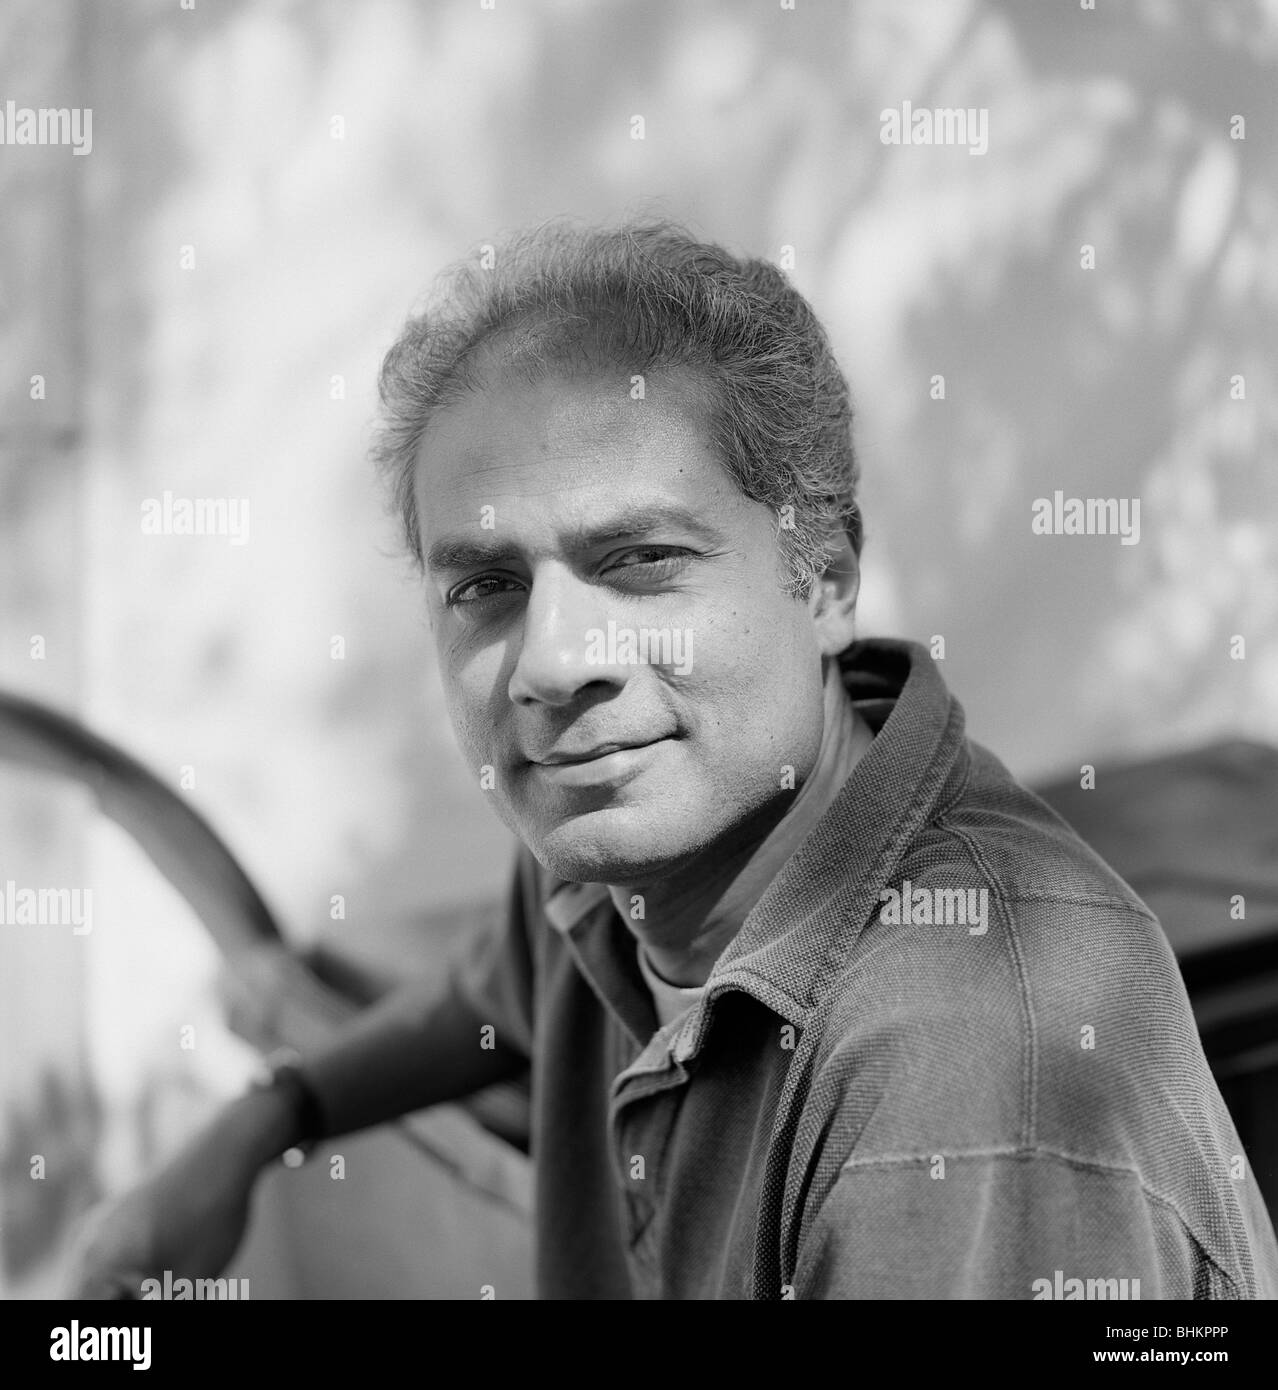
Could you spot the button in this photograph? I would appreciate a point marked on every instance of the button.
(683, 1046)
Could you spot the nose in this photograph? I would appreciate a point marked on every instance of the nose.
(560, 653)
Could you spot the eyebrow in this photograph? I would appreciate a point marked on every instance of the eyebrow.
(458, 554)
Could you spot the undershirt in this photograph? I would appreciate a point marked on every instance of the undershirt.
(670, 1001)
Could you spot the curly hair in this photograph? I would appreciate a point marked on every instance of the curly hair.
(645, 297)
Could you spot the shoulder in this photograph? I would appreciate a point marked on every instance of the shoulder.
(1011, 994)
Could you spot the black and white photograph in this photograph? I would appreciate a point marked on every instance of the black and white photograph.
(638, 661)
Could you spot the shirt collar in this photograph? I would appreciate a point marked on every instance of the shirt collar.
(810, 915)
(604, 948)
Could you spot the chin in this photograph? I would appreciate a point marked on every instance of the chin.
(617, 845)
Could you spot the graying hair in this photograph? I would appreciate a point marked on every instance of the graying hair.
(643, 297)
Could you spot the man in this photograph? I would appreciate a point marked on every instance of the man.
(820, 1003)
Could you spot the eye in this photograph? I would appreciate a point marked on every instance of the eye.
(650, 563)
(484, 586)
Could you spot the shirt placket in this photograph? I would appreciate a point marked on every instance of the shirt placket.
(642, 1114)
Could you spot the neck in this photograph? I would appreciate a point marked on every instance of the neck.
(691, 915)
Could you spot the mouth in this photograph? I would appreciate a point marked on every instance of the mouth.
(603, 765)
(570, 757)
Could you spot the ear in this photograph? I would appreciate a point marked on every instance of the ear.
(832, 602)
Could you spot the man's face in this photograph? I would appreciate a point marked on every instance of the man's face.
(618, 753)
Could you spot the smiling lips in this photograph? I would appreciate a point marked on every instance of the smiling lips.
(605, 764)
(562, 757)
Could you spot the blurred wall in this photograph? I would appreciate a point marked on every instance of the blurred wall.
(206, 296)
(321, 161)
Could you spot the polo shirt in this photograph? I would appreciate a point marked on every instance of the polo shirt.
(948, 1054)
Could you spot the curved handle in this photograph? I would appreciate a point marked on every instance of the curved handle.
(290, 1002)
(177, 839)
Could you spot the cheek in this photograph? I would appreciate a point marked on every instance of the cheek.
(777, 713)
(742, 712)
(470, 691)
(747, 667)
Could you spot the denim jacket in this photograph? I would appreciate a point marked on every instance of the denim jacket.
(949, 1054)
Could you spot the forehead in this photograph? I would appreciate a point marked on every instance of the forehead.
(567, 449)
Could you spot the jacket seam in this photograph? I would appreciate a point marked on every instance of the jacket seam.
(939, 812)
(1074, 899)
(1029, 1078)
(1036, 1150)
